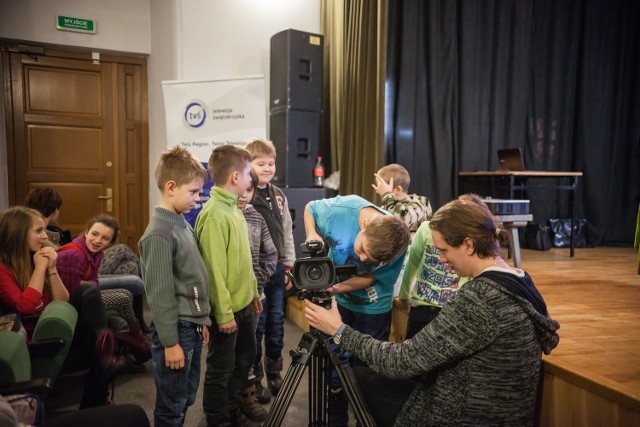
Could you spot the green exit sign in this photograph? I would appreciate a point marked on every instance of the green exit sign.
(70, 23)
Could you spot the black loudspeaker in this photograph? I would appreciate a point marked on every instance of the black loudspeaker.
(298, 199)
(296, 136)
(296, 71)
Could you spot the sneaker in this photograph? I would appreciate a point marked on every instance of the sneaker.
(249, 405)
(262, 394)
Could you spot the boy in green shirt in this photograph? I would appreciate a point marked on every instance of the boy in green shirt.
(224, 245)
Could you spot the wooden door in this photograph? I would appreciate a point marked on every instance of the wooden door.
(79, 124)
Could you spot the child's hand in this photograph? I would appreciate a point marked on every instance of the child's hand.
(381, 186)
(50, 254)
(404, 305)
(205, 335)
(39, 258)
(174, 357)
(228, 328)
(312, 235)
(288, 284)
(256, 306)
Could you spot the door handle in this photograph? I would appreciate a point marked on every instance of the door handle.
(109, 198)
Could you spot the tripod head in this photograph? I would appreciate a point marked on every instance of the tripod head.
(322, 298)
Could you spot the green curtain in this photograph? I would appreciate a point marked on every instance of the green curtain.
(355, 70)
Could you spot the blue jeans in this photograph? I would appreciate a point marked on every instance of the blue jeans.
(131, 282)
(176, 388)
(271, 322)
(228, 362)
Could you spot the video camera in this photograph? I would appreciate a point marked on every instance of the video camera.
(317, 272)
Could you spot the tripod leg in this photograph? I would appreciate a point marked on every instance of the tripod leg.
(285, 395)
(318, 388)
(302, 357)
(350, 385)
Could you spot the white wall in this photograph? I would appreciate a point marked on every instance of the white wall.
(215, 39)
(186, 40)
(122, 25)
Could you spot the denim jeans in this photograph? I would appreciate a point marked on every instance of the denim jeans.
(131, 282)
(229, 359)
(176, 388)
(271, 322)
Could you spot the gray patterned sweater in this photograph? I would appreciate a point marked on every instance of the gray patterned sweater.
(482, 357)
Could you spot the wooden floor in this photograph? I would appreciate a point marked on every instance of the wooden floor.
(596, 298)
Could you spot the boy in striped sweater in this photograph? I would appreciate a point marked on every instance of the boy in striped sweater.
(265, 258)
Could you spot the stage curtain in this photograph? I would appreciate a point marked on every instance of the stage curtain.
(355, 71)
(560, 79)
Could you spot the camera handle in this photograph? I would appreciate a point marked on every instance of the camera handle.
(314, 349)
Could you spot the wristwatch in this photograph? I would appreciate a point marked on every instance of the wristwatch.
(338, 335)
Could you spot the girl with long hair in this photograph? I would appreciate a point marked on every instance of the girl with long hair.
(29, 280)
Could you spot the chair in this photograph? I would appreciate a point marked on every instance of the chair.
(15, 368)
(15, 363)
(56, 324)
(17, 379)
(44, 355)
(15, 373)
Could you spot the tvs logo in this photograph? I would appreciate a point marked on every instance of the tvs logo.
(195, 114)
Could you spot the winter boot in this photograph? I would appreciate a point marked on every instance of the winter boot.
(250, 406)
(338, 408)
(262, 393)
(139, 344)
(272, 368)
(238, 419)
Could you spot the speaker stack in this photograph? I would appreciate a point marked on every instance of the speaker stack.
(295, 119)
(295, 103)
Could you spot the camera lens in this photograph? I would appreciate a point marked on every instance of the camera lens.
(315, 273)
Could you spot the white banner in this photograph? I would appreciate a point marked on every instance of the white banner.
(202, 115)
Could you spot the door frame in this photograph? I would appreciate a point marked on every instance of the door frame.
(130, 115)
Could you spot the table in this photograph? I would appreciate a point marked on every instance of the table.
(511, 223)
(519, 182)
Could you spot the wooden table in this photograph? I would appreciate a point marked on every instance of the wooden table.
(519, 182)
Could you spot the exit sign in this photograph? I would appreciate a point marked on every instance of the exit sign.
(70, 23)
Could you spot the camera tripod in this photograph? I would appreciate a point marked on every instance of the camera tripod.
(314, 350)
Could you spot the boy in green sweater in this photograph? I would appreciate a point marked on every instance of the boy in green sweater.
(176, 283)
(224, 245)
